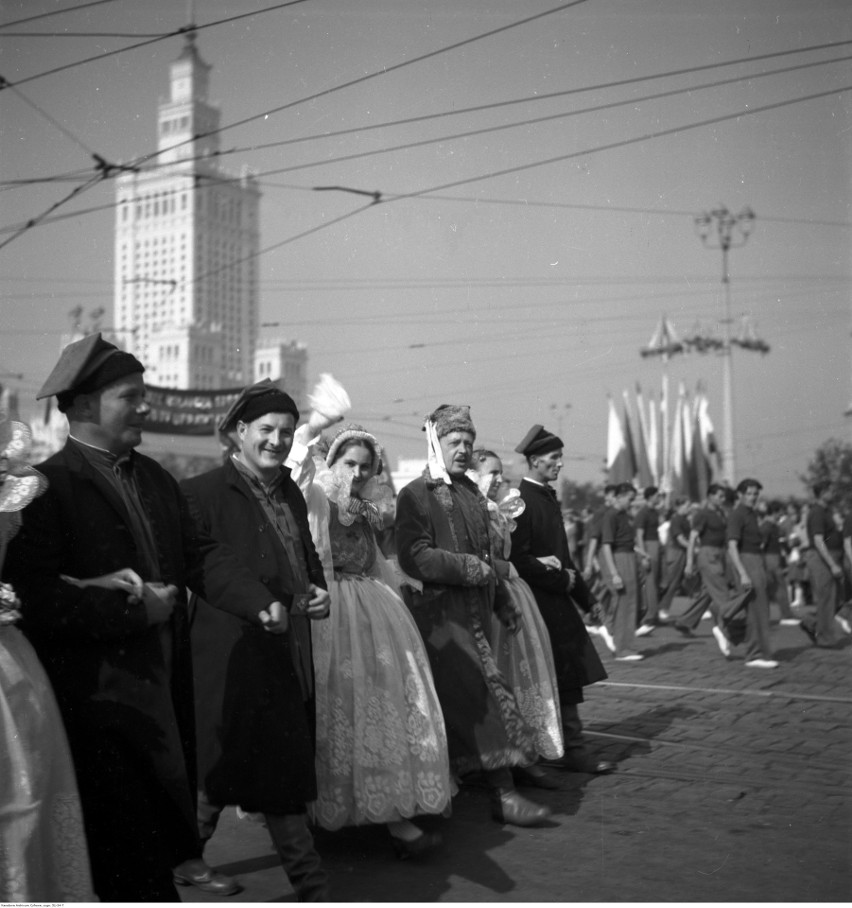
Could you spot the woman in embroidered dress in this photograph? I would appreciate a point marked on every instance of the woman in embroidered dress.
(381, 742)
(43, 856)
(525, 659)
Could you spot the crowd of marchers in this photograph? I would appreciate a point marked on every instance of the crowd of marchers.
(283, 635)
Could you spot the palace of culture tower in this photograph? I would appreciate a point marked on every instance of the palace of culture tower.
(186, 254)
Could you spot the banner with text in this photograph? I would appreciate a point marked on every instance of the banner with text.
(187, 412)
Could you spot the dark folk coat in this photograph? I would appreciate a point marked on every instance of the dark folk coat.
(124, 688)
(540, 531)
(255, 744)
(443, 548)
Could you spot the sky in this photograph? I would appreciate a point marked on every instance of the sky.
(522, 253)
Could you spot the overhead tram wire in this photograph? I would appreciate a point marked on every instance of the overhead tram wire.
(323, 93)
(390, 198)
(366, 78)
(172, 34)
(55, 123)
(597, 108)
(77, 190)
(56, 12)
(474, 109)
(479, 108)
(387, 197)
(428, 193)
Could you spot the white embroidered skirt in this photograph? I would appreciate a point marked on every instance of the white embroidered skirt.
(43, 855)
(381, 741)
(526, 662)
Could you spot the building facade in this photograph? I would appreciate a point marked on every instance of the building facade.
(186, 247)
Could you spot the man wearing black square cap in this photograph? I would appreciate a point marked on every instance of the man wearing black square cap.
(117, 650)
(540, 553)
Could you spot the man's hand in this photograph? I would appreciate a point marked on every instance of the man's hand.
(511, 619)
(572, 578)
(274, 618)
(159, 601)
(320, 605)
(486, 573)
(617, 582)
(745, 580)
(551, 562)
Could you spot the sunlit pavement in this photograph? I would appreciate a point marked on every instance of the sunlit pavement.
(733, 784)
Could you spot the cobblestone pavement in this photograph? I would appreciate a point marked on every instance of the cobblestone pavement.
(733, 785)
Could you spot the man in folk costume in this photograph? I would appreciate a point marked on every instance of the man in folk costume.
(444, 544)
(254, 700)
(540, 553)
(116, 648)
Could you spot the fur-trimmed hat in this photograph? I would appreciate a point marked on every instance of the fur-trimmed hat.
(452, 418)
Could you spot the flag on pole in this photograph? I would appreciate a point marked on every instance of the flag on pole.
(706, 451)
(655, 452)
(644, 473)
(619, 461)
(678, 464)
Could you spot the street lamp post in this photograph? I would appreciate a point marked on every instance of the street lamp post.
(720, 229)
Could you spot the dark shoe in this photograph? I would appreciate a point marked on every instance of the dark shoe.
(809, 630)
(685, 631)
(196, 873)
(534, 777)
(592, 767)
(514, 809)
(405, 848)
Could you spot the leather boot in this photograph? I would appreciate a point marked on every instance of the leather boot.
(295, 846)
(508, 806)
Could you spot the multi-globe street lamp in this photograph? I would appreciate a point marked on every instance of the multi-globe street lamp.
(720, 229)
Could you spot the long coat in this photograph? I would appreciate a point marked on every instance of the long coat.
(443, 547)
(255, 746)
(124, 688)
(540, 531)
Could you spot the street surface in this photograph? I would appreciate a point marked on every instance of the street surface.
(733, 784)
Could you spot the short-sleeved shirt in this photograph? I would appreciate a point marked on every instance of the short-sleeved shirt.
(744, 530)
(821, 522)
(711, 526)
(771, 534)
(596, 524)
(617, 530)
(678, 526)
(648, 520)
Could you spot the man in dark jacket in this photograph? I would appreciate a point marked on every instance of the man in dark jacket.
(540, 553)
(444, 542)
(254, 691)
(120, 665)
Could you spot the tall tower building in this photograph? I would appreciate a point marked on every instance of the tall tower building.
(186, 245)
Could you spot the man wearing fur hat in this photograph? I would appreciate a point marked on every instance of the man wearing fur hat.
(254, 691)
(101, 565)
(444, 544)
(540, 553)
